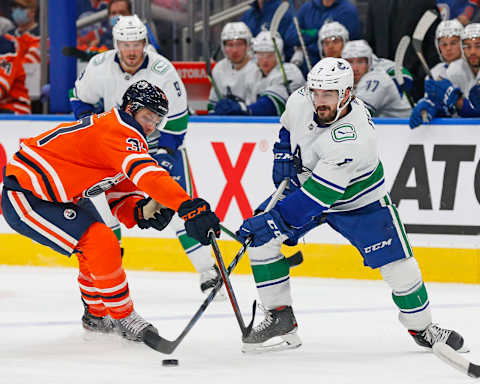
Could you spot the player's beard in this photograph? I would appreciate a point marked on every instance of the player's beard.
(474, 61)
(328, 114)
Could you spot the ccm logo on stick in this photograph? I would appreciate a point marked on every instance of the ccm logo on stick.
(376, 247)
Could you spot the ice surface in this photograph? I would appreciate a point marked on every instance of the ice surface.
(349, 329)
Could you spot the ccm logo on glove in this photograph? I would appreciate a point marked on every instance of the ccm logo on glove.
(195, 212)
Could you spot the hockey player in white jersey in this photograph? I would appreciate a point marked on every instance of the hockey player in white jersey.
(374, 86)
(106, 78)
(447, 43)
(332, 37)
(328, 151)
(459, 92)
(266, 89)
(229, 73)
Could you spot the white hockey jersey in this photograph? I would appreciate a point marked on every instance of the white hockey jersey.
(439, 71)
(272, 85)
(379, 92)
(340, 162)
(460, 74)
(229, 80)
(103, 78)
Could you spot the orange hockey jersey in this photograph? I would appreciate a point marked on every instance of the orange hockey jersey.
(29, 42)
(13, 92)
(90, 156)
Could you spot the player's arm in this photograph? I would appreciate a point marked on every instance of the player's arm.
(372, 91)
(87, 91)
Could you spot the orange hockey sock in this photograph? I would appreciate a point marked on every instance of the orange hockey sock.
(100, 249)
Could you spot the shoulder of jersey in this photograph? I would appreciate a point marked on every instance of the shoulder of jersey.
(102, 58)
(455, 66)
(159, 64)
(121, 122)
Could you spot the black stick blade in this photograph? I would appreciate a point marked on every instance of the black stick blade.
(158, 343)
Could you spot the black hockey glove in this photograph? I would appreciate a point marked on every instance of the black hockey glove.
(148, 214)
(199, 219)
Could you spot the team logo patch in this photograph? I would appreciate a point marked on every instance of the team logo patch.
(69, 214)
(160, 66)
(343, 133)
(99, 59)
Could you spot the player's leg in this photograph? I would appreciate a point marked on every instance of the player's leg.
(101, 254)
(271, 273)
(68, 228)
(200, 256)
(379, 235)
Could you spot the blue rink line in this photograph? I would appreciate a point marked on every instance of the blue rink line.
(244, 119)
(224, 316)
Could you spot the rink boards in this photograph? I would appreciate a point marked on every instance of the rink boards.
(432, 173)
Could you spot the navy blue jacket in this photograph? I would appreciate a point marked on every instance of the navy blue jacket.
(311, 17)
(256, 18)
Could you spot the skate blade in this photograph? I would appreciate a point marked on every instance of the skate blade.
(464, 349)
(284, 342)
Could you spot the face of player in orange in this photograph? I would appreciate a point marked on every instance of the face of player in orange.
(148, 119)
(332, 47)
(236, 50)
(471, 49)
(359, 67)
(131, 54)
(450, 48)
(266, 61)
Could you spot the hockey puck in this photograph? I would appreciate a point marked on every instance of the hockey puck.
(170, 362)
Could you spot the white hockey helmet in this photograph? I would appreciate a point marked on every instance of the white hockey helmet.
(331, 74)
(129, 28)
(357, 48)
(471, 31)
(331, 30)
(237, 30)
(263, 43)
(447, 28)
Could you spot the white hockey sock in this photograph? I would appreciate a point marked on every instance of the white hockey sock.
(199, 255)
(408, 293)
(272, 274)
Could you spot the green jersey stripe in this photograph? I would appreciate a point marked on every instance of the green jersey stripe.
(320, 192)
(177, 125)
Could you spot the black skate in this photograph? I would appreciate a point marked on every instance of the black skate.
(208, 281)
(434, 334)
(133, 327)
(278, 331)
(104, 324)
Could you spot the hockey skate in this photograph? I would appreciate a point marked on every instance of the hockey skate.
(133, 327)
(104, 324)
(278, 331)
(208, 281)
(434, 334)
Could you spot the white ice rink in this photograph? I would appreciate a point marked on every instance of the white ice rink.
(349, 330)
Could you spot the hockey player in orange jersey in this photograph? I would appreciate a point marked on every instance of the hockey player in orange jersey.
(13, 92)
(49, 178)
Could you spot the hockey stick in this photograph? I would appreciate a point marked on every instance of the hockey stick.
(399, 56)
(300, 38)
(448, 355)
(277, 17)
(228, 287)
(163, 345)
(293, 260)
(421, 30)
(208, 67)
(426, 21)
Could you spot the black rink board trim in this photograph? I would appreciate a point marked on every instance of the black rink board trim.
(429, 229)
